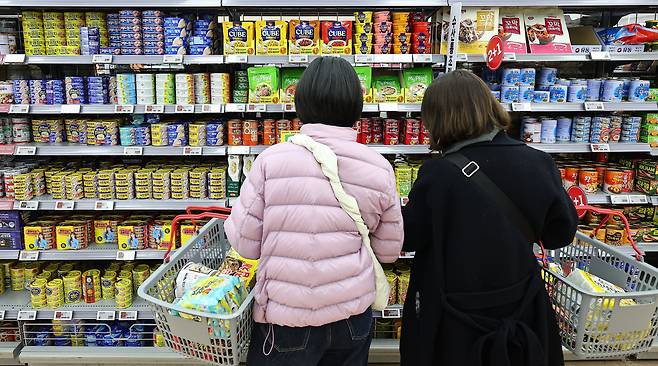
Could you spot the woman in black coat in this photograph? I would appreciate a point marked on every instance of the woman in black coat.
(476, 296)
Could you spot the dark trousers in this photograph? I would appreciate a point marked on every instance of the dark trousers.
(343, 343)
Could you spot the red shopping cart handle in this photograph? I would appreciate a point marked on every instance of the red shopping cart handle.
(610, 213)
(178, 218)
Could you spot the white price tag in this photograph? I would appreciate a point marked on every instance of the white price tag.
(154, 108)
(28, 255)
(409, 107)
(363, 59)
(105, 315)
(599, 55)
(298, 59)
(184, 108)
(126, 255)
(16, 58)
(2, 315)
(639, 199)
(594, 106)
(25, 150)
(64, 205)
(521, 107)
(619, 199)
(600, 147)
(422, 59)
(101, 59)
(172, 59)
(371, 107)
(124, 108)
(382, 59)
(388, 107)
(236, 59)
(211, 108)
(461, 57)
(238, 150)
(403, 59)
(391, 313)
(133, 151)
(383, 114)
(19, 108)
(193, 150)
(127, 315)
(62, 315)
(235, 107)
(70, 108)
(290, 107)
(104, 205)
(256, 107)
(27, 315)
(28, 205)
(509, 56)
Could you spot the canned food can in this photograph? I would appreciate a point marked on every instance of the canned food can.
(526, 93)
(108, 282)
(548, 131)
(612, 90)
(528, 76)
(563, 129)
(588, 180)
(577, 93)
(73, 287)
(638, 91)
(614, 181)
(532, 132)
(509, 93)
(511, 76)
(558, 93)
(593, 89)
(539, 96)
(547, 76)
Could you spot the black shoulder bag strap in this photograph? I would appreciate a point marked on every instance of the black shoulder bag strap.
(471, 170)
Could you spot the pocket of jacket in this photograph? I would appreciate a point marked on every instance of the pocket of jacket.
(286, 339)
(360, 326)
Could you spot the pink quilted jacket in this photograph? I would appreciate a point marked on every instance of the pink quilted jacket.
(313, 269)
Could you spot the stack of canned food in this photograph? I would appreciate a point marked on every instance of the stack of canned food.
(253, 132)
(87, 333)
(592, 177)
(391, 131)
(584, 129)
(406, 172)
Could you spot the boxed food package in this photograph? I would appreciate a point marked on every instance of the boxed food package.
(365, 77)
(247, 163)
(546, 31)
(388, 89)
(263, 84)
(476, 28)
(271, 37)
(238, 38)
(233, 180)
(336, 37)
(289, 78)
(648, 168)
(39, 235)
(416, 81)
(240, 267)
(512, 30)
(71, 235)
(304, 37)
(132, 234)
(646, 185)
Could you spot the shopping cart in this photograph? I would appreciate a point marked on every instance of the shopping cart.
(217, 339)
(604, 325)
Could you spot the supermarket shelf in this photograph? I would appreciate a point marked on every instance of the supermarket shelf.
(560, 3)
(580, 107)
(105, 109)
(121, 60)
(97, 252)
(600, 198)
(9, 254)
(572, 57)
(89, 311)
(14, 301)
(585, 148)
(113, 4)
(9, 351)
(336, 3)
(52, 355)
(70, 149)
(47, 203)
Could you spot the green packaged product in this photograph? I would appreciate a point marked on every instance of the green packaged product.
(365, 77)
(289, 79)
(263, 84)
(416, 81)
(387, 89)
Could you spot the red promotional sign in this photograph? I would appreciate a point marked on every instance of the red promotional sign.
(494, 56)
(579, 198)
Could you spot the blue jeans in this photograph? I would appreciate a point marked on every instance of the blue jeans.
(343, 343)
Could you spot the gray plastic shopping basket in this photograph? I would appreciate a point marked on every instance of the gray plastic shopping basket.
(604, 325)
(217, 339)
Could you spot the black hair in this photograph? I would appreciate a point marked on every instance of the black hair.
(329, 92)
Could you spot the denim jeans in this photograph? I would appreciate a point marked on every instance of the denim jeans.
(343, 343)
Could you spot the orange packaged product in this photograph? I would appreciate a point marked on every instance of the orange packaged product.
(250, 132)
(304, 37)
(614, 181)
(588, 180)
(269, 132)
(234, 127)
(336, 37)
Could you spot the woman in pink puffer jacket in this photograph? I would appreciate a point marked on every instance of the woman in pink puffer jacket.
(315, 282)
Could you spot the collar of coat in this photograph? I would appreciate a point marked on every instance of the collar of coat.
(495, 137)
(319, 132)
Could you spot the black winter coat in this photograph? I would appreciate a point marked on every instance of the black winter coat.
(476, 295)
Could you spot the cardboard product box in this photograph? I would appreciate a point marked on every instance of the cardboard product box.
(648, 168)
(511, 29)
(546, 31)
(477, 26)
(11, 221)
(11, 240)
(646, 185)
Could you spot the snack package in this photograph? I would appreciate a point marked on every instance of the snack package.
(628, 34)
(271, 37)
(476, 28)
(336, 37)
(365, 77)
(218, 294)
(245, 269)
(416, 81)
(511, 29)
(263, 84)
(238, 38)
(304, 37)
(591, 283)
(189, 274)
(387, 89)
(546, 31)
(289, 78)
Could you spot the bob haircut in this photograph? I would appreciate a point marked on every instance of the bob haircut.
(329, 92)
(459, 106)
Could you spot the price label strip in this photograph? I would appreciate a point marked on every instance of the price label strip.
(126, 255)
(104, 205)
(71, 108)
(105, 315)
(127, 315)
(133, 151)
(422, 59)
(124, 108)
(509, 56)
(64, 205)
(391, 313)
(620, 199)
(25, 150)
(28, 255)
(184, 108)
(154, 108)
(594, 106)
(28, 205)
(599, 55)
(236, 59)
(16, 58)
(235, 107)
(101, 59)
(62, 315)
(257, 108)
(638, 199)
(19, 108)
(172, 59)
(297, 59)
(521, 107)
(600, 147)
(27, 315)
(193, 150)
(364, 59)
(211, 108)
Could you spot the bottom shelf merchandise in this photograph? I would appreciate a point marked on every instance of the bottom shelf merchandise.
(92, 333)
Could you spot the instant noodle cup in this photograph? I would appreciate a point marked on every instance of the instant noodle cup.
(336, 37)
(381, 16)
(304, 37)
(382, 49)
(362, 17)
(383, 27)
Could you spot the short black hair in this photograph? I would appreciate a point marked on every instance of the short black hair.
(329, 92)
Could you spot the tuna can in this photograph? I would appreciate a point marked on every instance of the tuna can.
(55, 293)
(511, 76)
(548, 130)
(509, 94)
(563, 129)
(526, 93)
(577, 93)
(532, 132)
(91, 286)
(593, 90)
(638, 91)
(527, 76)
(38, 293)
(558, 93)
(540, 96)
(612, 90)
(547, 76)
(73, 287)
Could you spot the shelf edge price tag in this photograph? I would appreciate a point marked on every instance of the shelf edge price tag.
(28, 255)
(172, 59)
(289, 107)
(620, 199)
(393, 313)
(363, 59)
(19, 108)
(101, 59)
(236, 59)
(599, 55)
(154, 108)
(2, 314)
(25, 150)
(184, 108)
(297, 59)
(404, 59)
(193, 150)
(257, 108)
(422, 58)
(127, 315)
(16, 58)
(594, 106)
(409, 107)
(105, 315)
(509, 56)
(124, 108)
(239, 150)
(211, 108)
(62, 315)
(126, 255)
(638, 199)
(104, 205)
(461, 57)
(27, 315)
(388, 107)
(371, 108)
(28, 205)
(600, 147)
(133, 151)
(521, 107)
(64, 205)
(71, 108)
(235, 107)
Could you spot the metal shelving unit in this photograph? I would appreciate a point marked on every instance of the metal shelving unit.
(121, 60)
(580, 107)
(90, 311)
(565, 57)
(46, 202)
(336, 3)
(14, 301)
(586, 147)
(97, 252)
(112, 4)
(71, 149)
(9, 351)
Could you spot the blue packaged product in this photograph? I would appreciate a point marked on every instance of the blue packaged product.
(612, 90)
(62, 341)
(176, 22)
(626, 86)
(211, 33)
(200, 50)
(126, 37)
(542, 87)
(129, 13)
(593, 89)
(112, 16)
(175, 41)
(548, 130)
(541, 96)
(132, 340)
(577, 93)
(114, 38)
(152, 21)
(496, 94)
(564, 82)
(509, 94)
(547, 76)
(152, 28)
(511, 76)
(153, 36)
(130, 21)
(175, 50)
(638, 90)
(130, 28)
(558, 93)
(199, 41)
(152, 13)
(42, 337)
(131, 44)
(175, 32)
(154, 51)
(153, 44)
(132, 51)
(527, 76)
(526, 93)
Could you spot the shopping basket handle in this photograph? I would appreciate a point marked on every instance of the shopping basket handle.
(220, 209)
(178, 218)
(627, 228)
